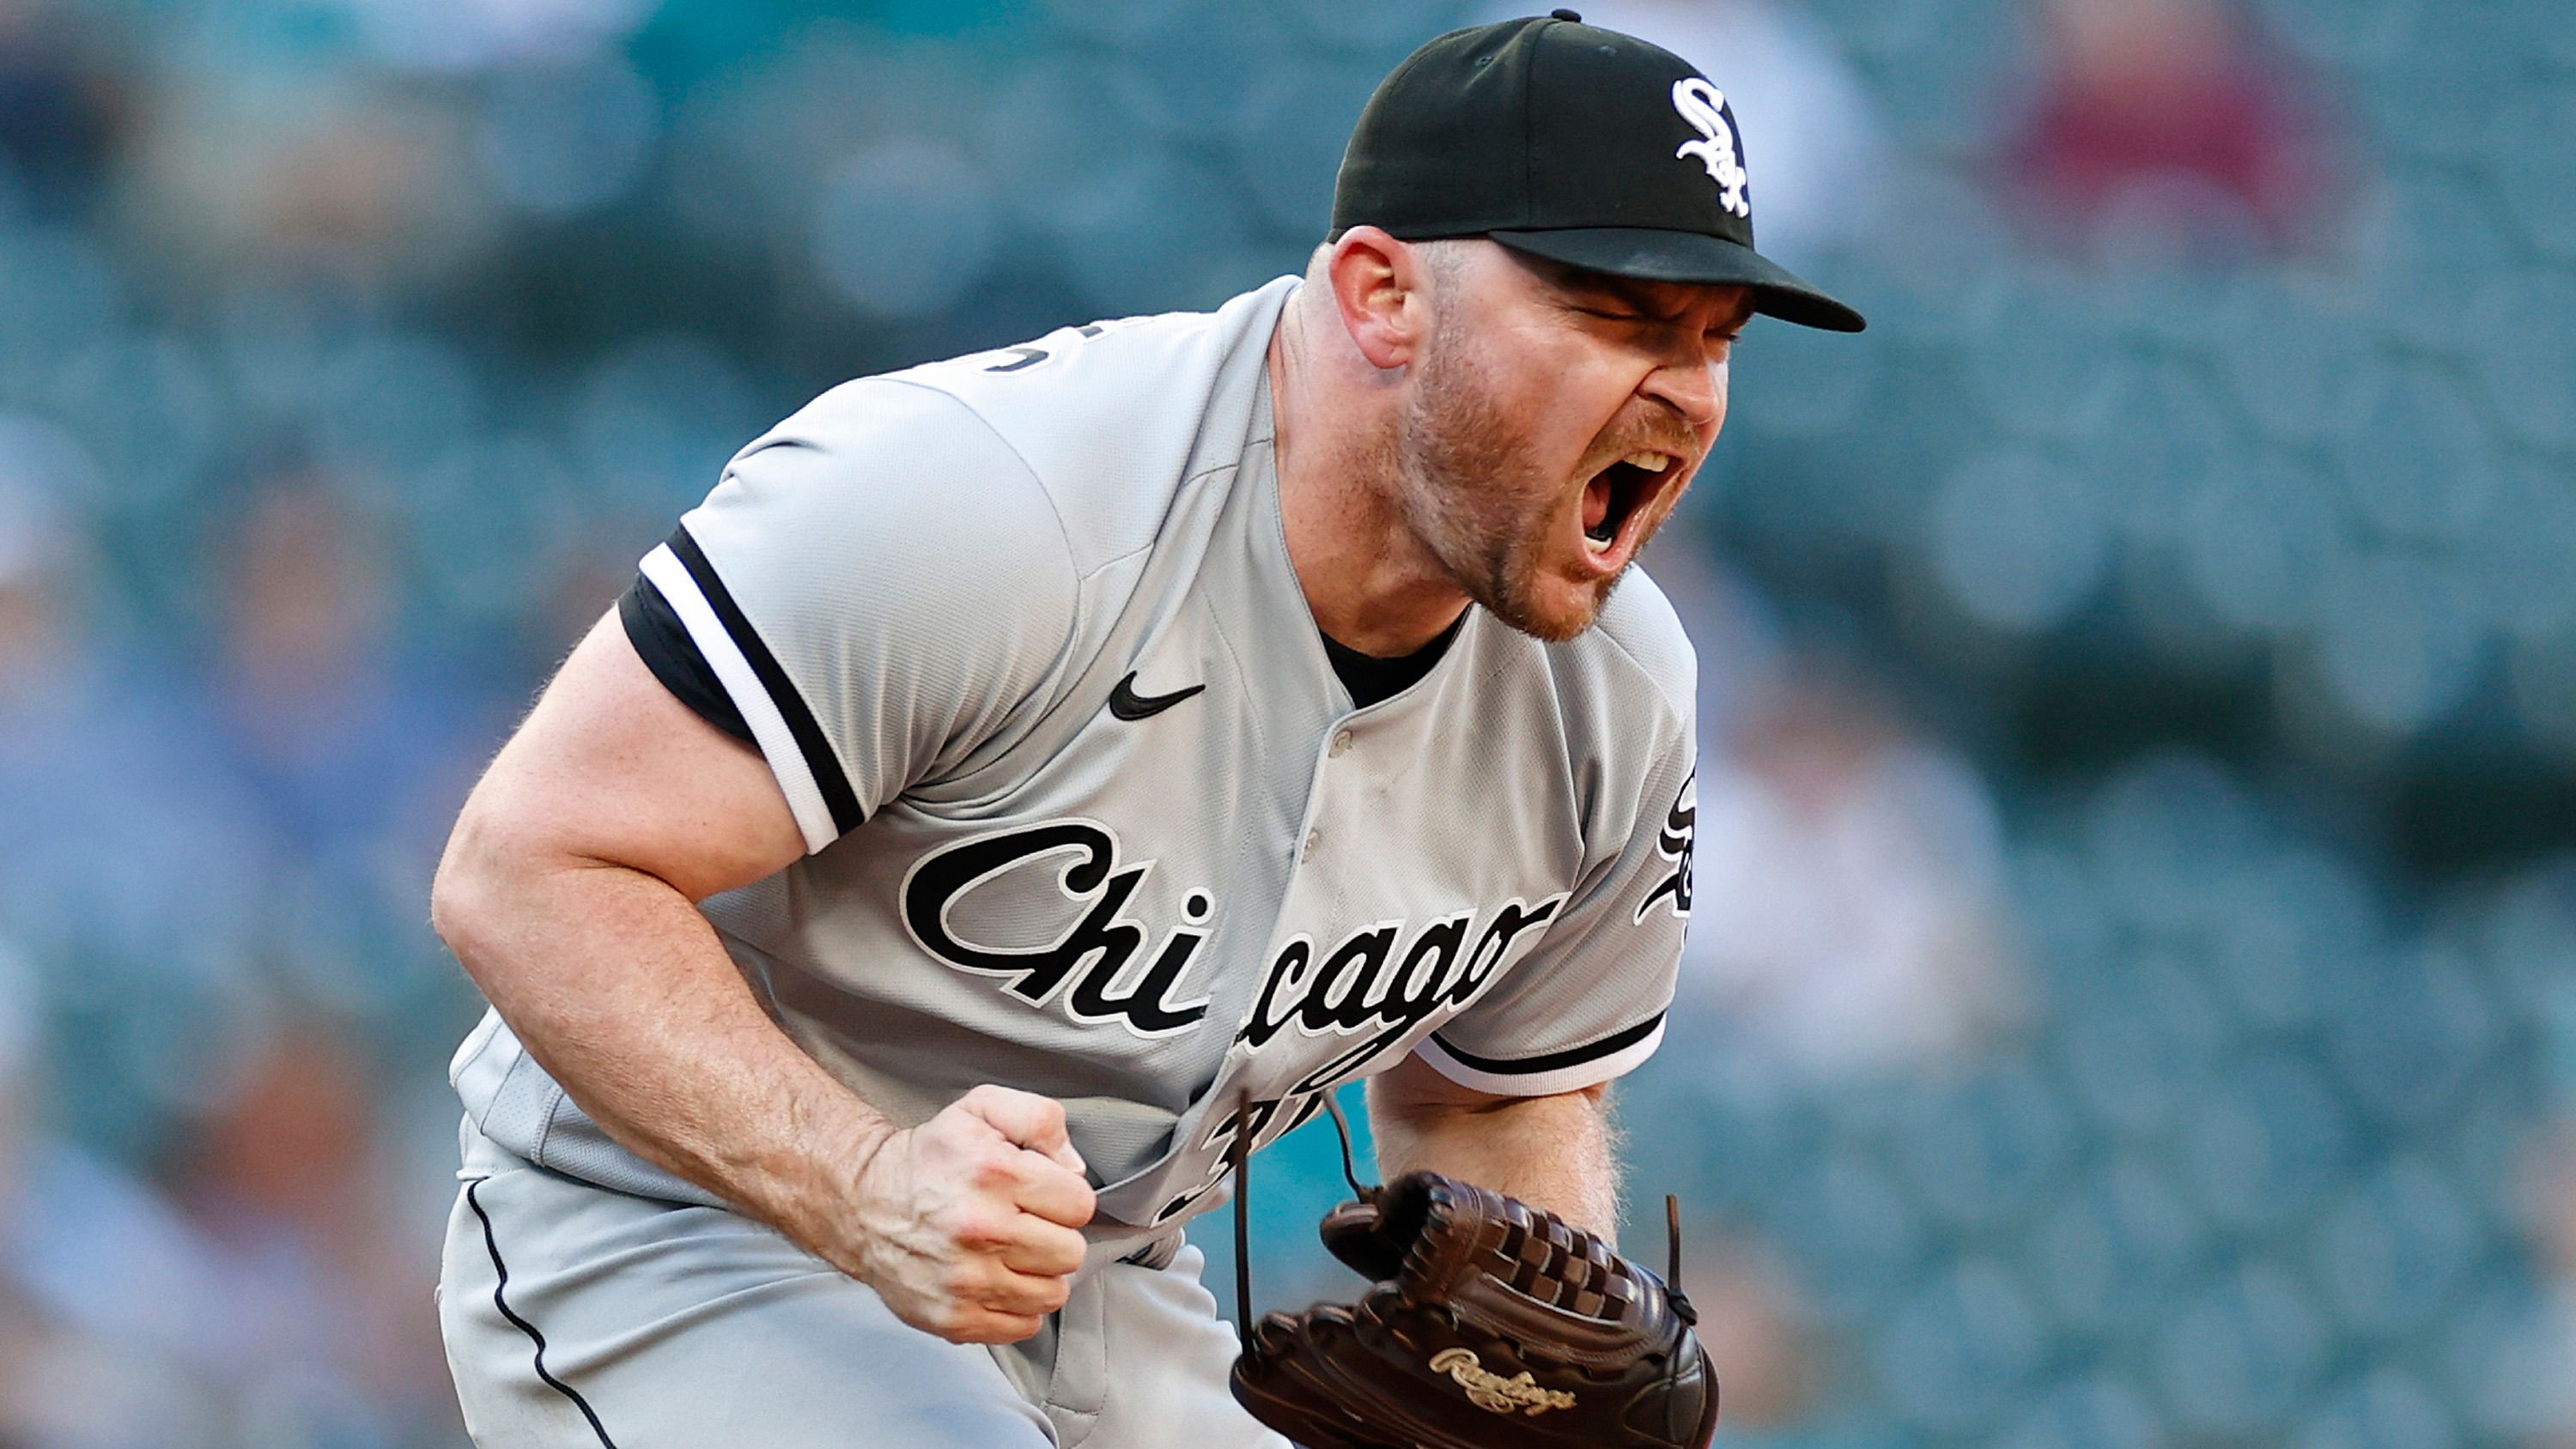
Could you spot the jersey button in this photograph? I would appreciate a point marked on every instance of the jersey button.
(1341, 744)
(1313, 837)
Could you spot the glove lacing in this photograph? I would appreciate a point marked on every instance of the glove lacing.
(1239, 1161)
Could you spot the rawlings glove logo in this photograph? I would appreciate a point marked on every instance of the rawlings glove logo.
(1486, 1389)
(1704, 106)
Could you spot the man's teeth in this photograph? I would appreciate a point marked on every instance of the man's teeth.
(1645, 460)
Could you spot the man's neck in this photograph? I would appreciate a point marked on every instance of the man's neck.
(1368, 580)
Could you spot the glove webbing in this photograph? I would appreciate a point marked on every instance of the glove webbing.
(1542, 1257)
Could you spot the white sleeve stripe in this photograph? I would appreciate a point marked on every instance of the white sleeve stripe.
(768, 726)
(1566, 1078)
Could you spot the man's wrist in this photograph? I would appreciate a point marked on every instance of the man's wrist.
(805, 1183)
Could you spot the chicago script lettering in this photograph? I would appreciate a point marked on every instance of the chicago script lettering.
(1104, 939)
(1378, 982)
(1363, 985)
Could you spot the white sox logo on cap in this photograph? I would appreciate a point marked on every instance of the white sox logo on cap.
(1704, 106)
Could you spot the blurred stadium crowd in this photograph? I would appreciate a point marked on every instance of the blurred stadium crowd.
(2132, 999)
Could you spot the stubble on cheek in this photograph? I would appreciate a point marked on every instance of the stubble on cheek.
(1473, 500)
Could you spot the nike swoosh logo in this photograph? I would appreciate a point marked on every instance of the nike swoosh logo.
(1127, 704)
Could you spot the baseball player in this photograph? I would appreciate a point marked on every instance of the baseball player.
(1028, 774)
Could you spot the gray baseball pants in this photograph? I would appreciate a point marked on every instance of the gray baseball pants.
(577, 1317)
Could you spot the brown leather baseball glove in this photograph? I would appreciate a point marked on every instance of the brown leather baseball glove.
(1491, 1325)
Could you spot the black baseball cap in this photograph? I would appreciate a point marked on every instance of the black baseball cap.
(1574, 143)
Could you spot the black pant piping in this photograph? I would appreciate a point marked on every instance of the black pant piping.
(501, 1272)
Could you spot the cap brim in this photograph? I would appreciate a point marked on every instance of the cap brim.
(1657, 255)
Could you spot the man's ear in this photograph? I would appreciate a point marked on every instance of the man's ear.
(1379, 286)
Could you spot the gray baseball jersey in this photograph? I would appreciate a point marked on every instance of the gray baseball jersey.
(1089, 812)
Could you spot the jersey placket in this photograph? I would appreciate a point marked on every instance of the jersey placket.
(1274, 1075)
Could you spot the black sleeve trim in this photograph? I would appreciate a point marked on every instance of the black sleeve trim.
(1617, 1041)
(819, 759)
(663, 642)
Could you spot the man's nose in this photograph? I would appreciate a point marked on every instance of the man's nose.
(1692, 386)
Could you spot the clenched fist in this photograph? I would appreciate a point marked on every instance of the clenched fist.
(967, 1223)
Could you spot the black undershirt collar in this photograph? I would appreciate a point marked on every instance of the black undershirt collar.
(1370, 678)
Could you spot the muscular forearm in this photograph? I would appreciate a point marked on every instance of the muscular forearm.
(618, 985)
(1553, 1152)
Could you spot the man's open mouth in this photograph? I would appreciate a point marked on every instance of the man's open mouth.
(1617, 492)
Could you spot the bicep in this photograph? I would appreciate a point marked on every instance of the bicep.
(612, 768)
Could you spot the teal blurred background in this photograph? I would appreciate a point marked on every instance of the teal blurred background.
(2132, 992)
